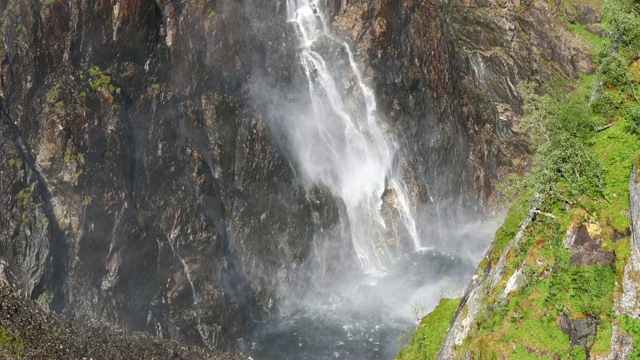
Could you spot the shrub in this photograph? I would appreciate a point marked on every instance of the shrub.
(573, 117)
(564, 168)
(606, 104)
(632, 114)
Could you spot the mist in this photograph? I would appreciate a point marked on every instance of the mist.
(387, 260)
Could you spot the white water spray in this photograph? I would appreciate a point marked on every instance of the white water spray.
(343, 149)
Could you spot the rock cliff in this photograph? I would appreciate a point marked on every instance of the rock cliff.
(140, 184)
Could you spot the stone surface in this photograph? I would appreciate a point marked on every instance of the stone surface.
(621, 346)
(581, 331)
(585, 247)
(138, 186)
(627, 303)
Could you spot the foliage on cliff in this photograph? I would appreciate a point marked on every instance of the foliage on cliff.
(555, 296)
(430, 332)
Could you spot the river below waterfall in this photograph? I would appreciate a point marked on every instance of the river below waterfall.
(373, 320)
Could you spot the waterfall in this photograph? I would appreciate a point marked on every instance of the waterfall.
(342, 148)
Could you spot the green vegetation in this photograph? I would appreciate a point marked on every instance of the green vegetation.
(595, 41)
(632, 327)
(510, 226)
(53, 93)
(561, 125)
(100, 79)
(430, 332)
(9, 345)
(584, 144)
(615, 148)
(585, 137)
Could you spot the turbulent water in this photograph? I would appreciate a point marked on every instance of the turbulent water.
(373, 320)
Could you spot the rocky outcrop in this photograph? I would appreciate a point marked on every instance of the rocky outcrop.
(627, 303)
(581, 331)
(31, 332)
(584, 244)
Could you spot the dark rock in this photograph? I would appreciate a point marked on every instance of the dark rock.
(617, 235)
(585, 250)
(583, 14)
(581, 331)
(137, 183)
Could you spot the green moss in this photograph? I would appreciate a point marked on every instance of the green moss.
(589, 290)
(602, 344)
(46, 298)
(9, 345)
(528, 317)
(100, 80)
(510, 226)
(430, 332)
(67, 154)
(622, 251)
(595, 41)
(25, 218)
(52, 95)
(632, 327)
(24, 195)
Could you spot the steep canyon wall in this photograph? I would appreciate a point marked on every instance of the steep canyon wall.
(141, 183)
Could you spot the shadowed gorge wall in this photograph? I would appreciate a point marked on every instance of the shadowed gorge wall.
(140, 184)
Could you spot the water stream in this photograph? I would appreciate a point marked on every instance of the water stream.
(342, 146)
(337, 141)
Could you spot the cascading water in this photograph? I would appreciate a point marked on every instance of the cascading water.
(333, 132)
(346, 149)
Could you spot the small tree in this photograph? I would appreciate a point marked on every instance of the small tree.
(563, 169)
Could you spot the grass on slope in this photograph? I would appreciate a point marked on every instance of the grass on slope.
(430, 332)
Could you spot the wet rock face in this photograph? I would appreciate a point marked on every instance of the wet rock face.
(446, 76)
(139, 185)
